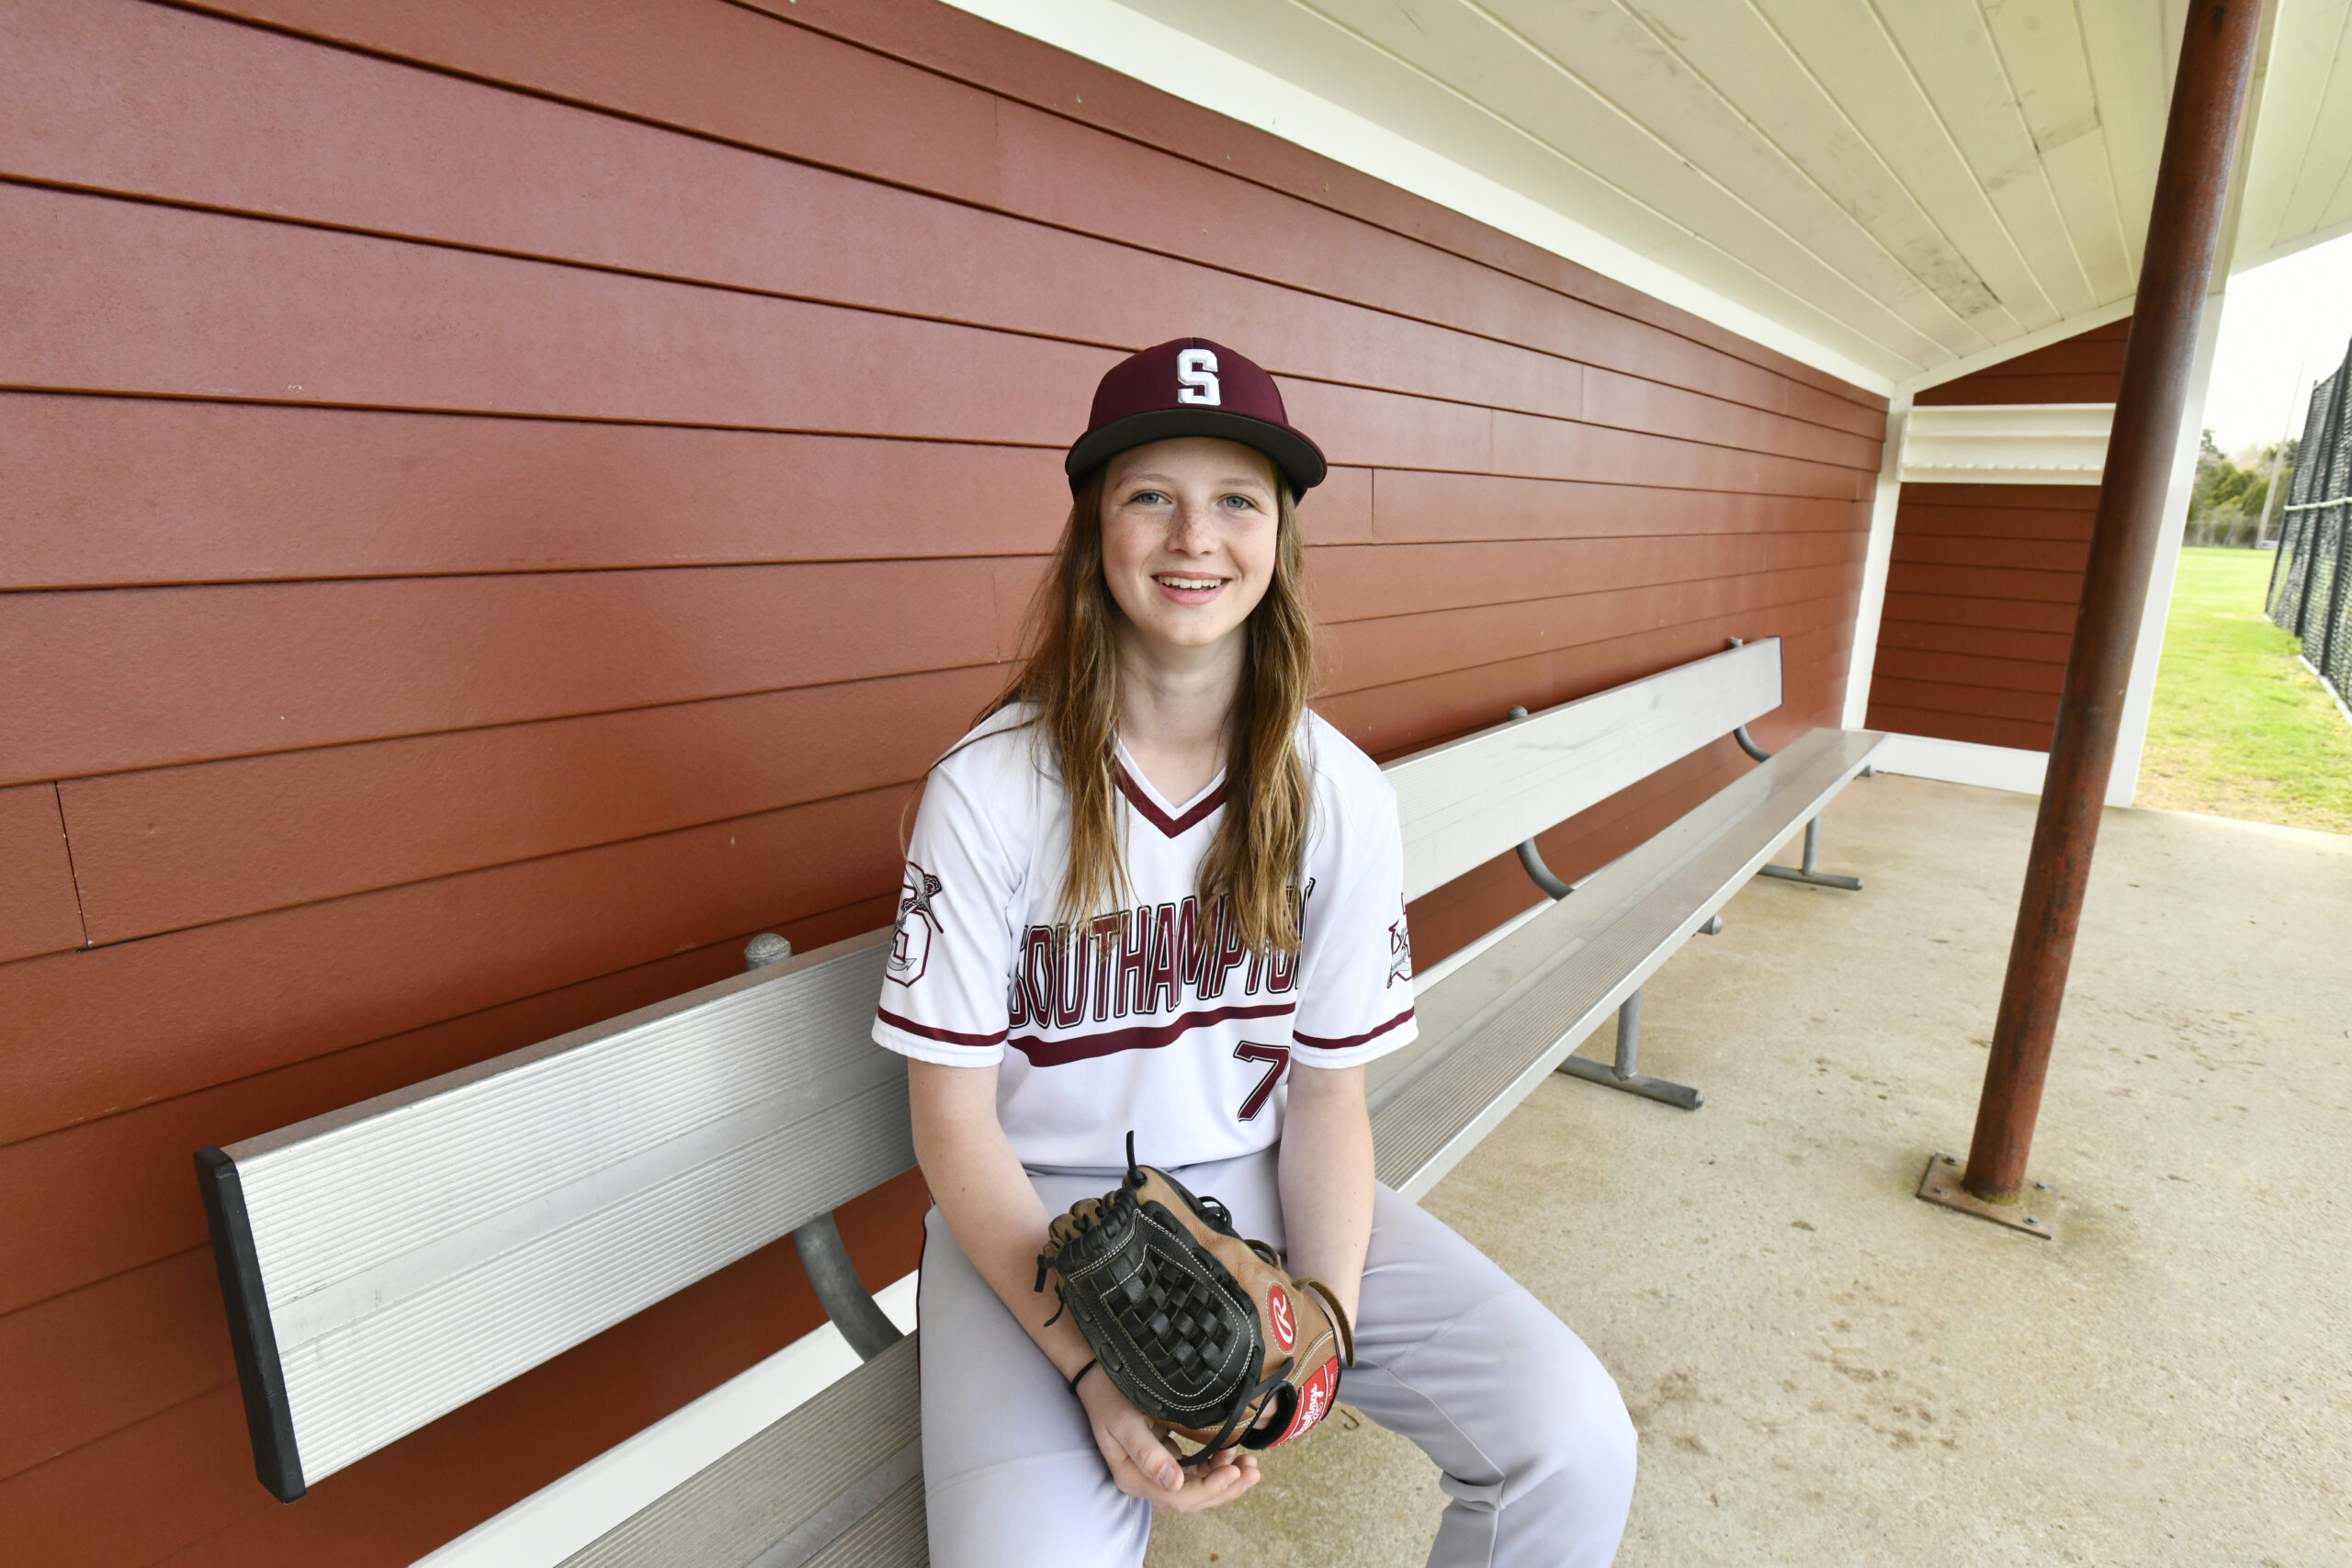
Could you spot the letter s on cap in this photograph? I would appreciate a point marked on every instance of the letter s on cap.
(1196, 378)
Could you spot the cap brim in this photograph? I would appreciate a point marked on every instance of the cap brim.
(1300, 459)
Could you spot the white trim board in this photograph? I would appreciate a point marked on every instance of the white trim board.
(1185, 67)
(1870, 604)
(1962, 762)
(574, 1510)
(2140, 692)
(2029, 444)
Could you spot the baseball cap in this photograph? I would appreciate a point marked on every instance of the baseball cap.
(1189, 386)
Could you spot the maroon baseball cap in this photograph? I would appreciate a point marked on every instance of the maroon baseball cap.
(1192, 387)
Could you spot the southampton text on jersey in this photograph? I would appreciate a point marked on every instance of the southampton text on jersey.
(1141, 962)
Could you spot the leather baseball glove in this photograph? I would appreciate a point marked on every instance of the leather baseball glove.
(1202, 1331)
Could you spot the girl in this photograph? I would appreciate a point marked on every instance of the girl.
(1146, 888)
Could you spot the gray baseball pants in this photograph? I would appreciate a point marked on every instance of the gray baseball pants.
(1522, 1421)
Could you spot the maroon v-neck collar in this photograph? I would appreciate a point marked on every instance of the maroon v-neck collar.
(1152, 812)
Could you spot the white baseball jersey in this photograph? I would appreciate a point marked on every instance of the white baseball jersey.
(1150, 1017)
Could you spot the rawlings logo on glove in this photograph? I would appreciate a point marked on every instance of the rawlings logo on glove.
(1201, 1330)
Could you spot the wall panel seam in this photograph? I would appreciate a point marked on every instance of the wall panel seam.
(210, 1390)
(129, 1107)
(1538, 652)
(503, 723)
(36, 390)
(97, 1280)
(1765, 574)
(488, 866)
(1828, 498)
(779, 563)
(65, 834)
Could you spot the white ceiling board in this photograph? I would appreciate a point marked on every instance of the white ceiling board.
(1587, 111)
(2041, 52)
(1758, 74)
(2130, 72)
(1635, 65)
(1884, 188)
(1847, 50)
(2311, 40)
(1342, 68)
(2326, 154)
(1953, 59)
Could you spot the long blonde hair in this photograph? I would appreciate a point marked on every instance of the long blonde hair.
(1070, 678)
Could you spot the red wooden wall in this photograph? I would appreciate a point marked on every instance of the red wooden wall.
(1984, 579)
(497, 503)
(2085, 369)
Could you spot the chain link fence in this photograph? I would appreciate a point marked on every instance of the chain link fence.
(2308, 588)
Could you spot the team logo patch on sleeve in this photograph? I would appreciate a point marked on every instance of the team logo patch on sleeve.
(1400, 953)
(918, 923)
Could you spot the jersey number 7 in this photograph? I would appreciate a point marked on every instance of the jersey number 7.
(1276, 1057)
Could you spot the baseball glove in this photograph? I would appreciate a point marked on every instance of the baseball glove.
(1201, 1330)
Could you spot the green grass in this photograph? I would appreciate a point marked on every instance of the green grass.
(2239, 728)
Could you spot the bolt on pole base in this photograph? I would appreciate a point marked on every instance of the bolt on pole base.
(2036, 1213)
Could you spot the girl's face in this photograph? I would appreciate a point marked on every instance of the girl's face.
(1189, 530)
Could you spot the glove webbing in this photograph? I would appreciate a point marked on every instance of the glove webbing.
(1177, 1319)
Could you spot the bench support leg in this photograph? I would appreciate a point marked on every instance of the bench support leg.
(826, 1261)
(1810, 872)
(843, 1294)
(1622, 1074)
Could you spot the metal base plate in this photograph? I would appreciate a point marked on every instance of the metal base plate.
(2036, 1214)
(1680, 1096)
(1812, 878)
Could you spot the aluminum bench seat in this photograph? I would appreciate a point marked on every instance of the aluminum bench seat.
(835, 1484)
(1495, 1028)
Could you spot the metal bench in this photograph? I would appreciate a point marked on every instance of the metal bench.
(387, 1262)
(1493, 1027)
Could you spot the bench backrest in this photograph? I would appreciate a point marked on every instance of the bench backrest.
(1466, 802)
(385, 1263)
(390, 1261)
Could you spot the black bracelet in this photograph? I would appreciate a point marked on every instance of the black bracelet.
(1081, 1372)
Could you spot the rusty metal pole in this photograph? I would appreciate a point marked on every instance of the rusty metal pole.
(2208, 91)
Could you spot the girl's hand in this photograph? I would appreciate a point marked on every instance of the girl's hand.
(1143, 1466)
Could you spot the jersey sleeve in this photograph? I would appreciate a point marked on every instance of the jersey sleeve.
(944, 987)
(1355, 993)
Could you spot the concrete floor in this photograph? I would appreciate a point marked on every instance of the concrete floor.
(1827, 1370)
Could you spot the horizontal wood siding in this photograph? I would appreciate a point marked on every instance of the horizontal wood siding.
(1982, 584)
(2085, 369)
(1980, 607)
(500, 504)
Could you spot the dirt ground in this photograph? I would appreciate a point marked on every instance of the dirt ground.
(1824, 1369)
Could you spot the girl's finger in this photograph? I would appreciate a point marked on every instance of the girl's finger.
(1152, 1459)
(1215, 1492)
(1124, 1473)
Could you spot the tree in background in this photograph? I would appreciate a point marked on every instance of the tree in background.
(2227, 504)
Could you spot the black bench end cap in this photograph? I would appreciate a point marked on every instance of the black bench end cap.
(269, 1418)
